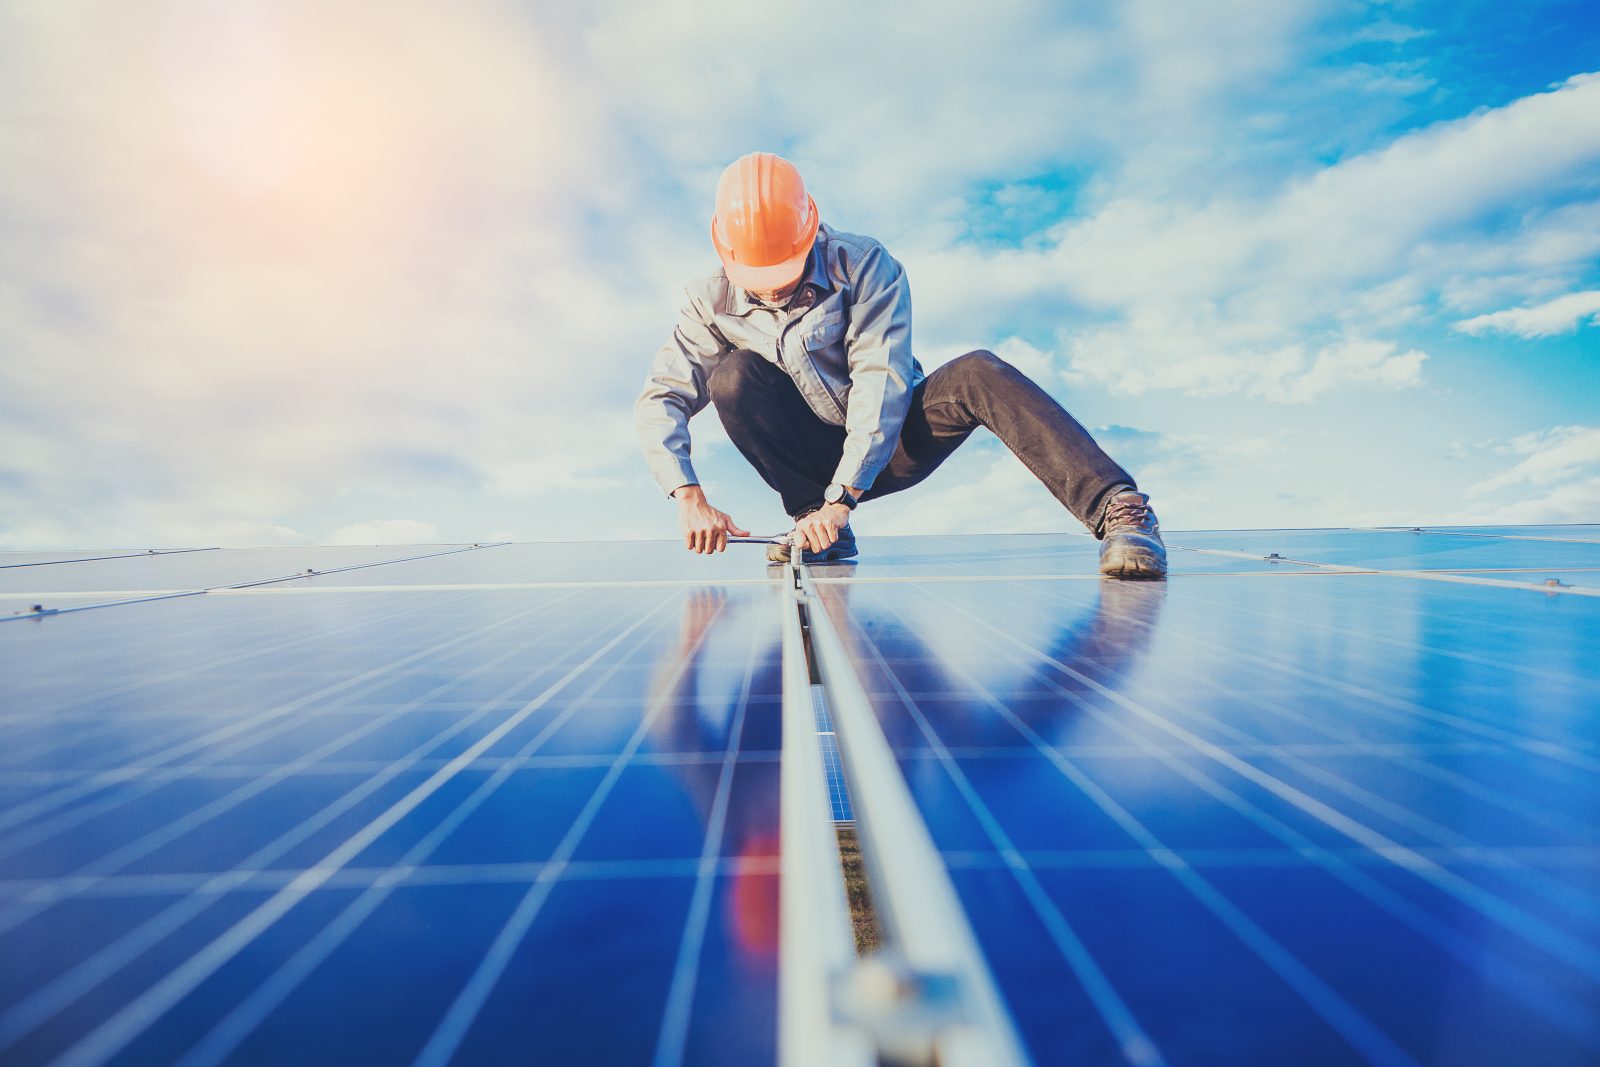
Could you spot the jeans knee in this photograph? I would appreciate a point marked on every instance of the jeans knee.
(977, 370)
(733, 378)
(978, 365)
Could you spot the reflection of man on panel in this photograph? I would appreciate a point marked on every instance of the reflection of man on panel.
(803, 342)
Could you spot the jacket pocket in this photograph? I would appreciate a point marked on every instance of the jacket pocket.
(824, 343)
(824, 334)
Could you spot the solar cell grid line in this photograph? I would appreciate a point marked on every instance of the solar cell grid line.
(112, 1035)
(674, 1034)
(131, 887)
(274, 720)
(1471, 953)
(1374, 702)
(1373, 1044)
(189, 671)
(1547, 1000)
(190, 743)
(131, 851)
(220, 1042)
(132, 646)
(1412, 764)
(248, 867)
(1424, 575)
(1394, 811)
(1385, 637)
(52, 996)
(1332, 728)
(838, 792)
(310, 639)
(446, 1039)
(1184, 639)
(1374, 698)
(1512, 868)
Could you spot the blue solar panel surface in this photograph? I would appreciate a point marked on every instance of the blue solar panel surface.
(452, 804)
(1288, 817)
(393, 826)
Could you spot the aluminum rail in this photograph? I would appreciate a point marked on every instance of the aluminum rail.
(963, 1017)
(816, 941)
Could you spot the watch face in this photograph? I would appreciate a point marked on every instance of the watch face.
(834, 493)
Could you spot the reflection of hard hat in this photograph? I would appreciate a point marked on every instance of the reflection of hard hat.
(765, 222)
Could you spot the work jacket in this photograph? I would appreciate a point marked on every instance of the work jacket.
(845, 340)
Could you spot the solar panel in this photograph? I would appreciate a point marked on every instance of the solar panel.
(393, 826)
(1259, 818)
(1322, 796)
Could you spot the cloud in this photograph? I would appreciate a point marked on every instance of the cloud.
(385, 532)
(269, 270)
(1555, 479)
(263, 264)
(1562, 315)
(1549, 457)
(1290, 295)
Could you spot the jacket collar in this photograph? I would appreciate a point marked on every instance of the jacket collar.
(815, 276)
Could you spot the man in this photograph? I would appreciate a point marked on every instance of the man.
(803, 342)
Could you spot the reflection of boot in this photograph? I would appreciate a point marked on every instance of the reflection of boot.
(1124, 622)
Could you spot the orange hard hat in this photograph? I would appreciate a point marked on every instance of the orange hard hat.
(765, 222)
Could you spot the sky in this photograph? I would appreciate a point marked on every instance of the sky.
(391, 271)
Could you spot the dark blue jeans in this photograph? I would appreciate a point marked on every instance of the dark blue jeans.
(796, 453)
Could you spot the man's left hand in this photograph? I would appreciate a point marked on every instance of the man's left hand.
(821, 528)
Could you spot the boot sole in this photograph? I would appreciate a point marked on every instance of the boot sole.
(1141, 565)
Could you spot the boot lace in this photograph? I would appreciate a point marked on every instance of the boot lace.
(1130, 511)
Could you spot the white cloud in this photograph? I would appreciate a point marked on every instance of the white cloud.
(385, 532)
(1561, 315)
(1555, 479)
(1575, 501)
(1289, 295)
(1553, 456)
(267, 270)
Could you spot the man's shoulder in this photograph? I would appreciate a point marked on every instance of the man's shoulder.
(709, 294)
(858, 243)
(844, 255)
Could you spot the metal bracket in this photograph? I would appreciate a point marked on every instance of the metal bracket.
(905, 1010)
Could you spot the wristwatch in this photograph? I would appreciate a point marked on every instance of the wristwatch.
(838, 494)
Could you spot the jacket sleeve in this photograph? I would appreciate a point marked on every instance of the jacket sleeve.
(879, 345)
(674, 392)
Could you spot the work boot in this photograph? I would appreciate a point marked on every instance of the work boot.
(1130, 545)
(843, 548)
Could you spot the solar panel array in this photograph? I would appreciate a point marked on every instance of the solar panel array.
(1323, 796)
(1267, 811)
(391, 823)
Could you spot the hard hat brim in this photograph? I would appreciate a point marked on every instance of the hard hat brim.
(772, 276)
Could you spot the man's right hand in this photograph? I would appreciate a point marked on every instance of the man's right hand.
(705, 529)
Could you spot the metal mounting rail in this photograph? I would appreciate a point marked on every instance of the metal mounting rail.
(816, 942)
(929, 997)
